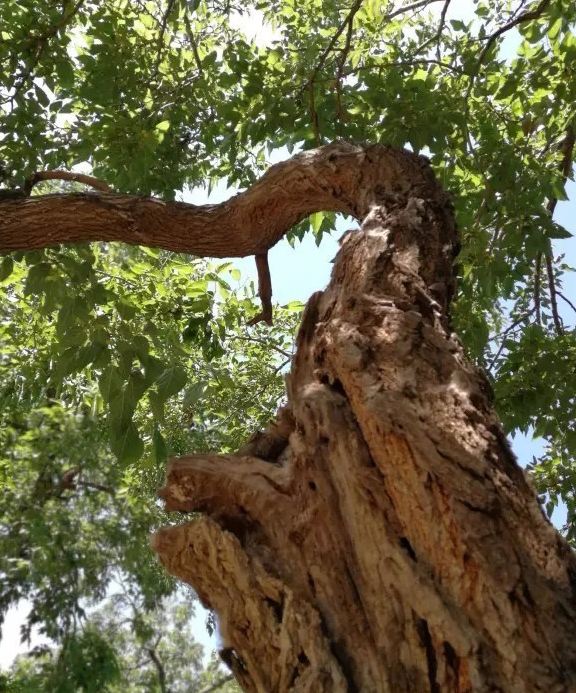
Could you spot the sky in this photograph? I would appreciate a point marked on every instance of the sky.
(297, 273)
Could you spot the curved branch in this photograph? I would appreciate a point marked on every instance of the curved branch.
(340, 177)
(36, 178)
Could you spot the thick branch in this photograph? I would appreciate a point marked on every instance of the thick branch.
(340, 177)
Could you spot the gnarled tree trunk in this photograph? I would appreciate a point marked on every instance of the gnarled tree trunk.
(380, 536)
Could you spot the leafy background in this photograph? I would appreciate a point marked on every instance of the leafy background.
(114, 358)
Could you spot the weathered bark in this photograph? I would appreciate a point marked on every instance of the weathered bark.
(380, 536)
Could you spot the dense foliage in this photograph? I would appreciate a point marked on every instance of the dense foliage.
(115, 357)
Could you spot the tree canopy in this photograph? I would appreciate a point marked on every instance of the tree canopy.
(115, 357)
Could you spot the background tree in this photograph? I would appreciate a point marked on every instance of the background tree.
(124, 646)
(159, 96)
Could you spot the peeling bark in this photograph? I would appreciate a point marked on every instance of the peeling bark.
(380, 536)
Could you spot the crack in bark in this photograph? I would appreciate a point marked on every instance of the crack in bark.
(428, 645)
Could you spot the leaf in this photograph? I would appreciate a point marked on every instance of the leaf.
(128, 446)
(157, 406)
(163, 126)
(316, 221)
(170, 382)
(6, 268)
(194, 393)
(121, 409)
(160, 447)
(65, 72)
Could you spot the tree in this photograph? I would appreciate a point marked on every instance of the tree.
(379, 534)
(125, 647)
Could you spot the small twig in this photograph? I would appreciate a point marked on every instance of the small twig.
(341, 63)
(194, 45)
(552, 290)
(413, 6)
(98, 487)
(505, 332)
(281, 366)
(39, 43)
(514, 324)
(566, 148)
(537, 272)
(441, 28)
(559, 293)
(314, 116)
(401, 63)
(264, 343)
(320, 64)
(524, 17)
(161, 37)
(218, 683)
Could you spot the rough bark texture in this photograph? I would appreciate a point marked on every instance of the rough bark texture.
(380, 536)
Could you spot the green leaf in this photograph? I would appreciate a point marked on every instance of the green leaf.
(128, 446)
(6, 268)
(121, 409)
(110, 382)
(160, 447)
(157, 406)
(194, 393)
(170, 382)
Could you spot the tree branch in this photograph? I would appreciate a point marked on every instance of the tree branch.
(39, 43)
(161, 37)
(552, 289)
(264, 290)
(559, 293)
(218, 683)
(325, 179)
(537, 272)
(160, 669)
(565, 166)
(524, 17)
(36, 178)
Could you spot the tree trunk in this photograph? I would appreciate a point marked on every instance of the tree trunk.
(379, 536)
